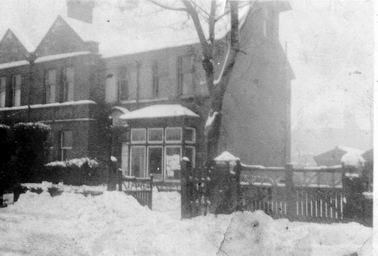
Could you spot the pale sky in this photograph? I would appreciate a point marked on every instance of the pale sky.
(331, 50)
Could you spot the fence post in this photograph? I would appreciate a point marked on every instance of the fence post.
(119, 179)
(237, 170)
(290, 192)
(184, 188)
(152, 190)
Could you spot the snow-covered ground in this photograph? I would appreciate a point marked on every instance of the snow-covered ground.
(115, 224)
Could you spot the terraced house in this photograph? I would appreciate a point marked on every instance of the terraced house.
(145, 71)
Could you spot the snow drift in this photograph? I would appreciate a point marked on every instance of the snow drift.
(115, 224)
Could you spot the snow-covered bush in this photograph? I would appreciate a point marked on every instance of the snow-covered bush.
(76, 171)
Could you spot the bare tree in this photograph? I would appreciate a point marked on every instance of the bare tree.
(216, 88)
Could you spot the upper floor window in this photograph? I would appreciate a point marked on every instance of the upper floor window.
(65, 144)
(123, 83)
(111, 92)
(50, 85)
(68, 84)
(3, 84)
(155, 80)
(16, 90)
(185, 75)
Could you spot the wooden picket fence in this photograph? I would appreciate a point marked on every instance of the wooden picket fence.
(317, 194)
(140, 188)
(308, 194)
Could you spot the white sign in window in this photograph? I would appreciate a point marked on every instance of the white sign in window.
(172, 162)
(173, 134)
(155, 135)
(137, 161)
(138, 135)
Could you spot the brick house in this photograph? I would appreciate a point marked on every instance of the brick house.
(155, 92)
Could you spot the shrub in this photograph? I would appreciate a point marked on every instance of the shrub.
(7, 177)
(77, 171)
(30, 150)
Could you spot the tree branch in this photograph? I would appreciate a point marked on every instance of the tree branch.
(212, 22)
(168, 7)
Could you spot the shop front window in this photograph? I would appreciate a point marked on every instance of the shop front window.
(172, 162)
(155, 162)
(173, 134)
(138, 135)
(137, 162)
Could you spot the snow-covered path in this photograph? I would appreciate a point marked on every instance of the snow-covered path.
(115, 224)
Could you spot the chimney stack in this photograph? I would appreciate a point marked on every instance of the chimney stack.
(80, 10)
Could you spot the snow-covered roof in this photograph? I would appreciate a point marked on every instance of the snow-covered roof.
(140, 26)
(43, 59)
(226, 157)
(159, 111)
(350, 150)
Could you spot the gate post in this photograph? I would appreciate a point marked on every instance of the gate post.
(185, 204)
(237, 170)
(290, 193)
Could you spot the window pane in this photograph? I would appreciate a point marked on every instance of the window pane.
(52, 82)
(155, 160)
(172, 162)
(137, 161)
(123, 85)
(2, 91)
(190, 153)
(190, 135)
(155, 135)
(69, 84)
(138, 135)
(173, 134)
(67, 139)
(187, 84)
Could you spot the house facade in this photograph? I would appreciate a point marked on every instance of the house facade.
(157, 97)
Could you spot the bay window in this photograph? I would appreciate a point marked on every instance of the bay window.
(158, 151)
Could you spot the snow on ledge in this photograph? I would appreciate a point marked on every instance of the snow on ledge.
(56, 104)
(352, 159)
(226, 157)
(159, 111)
(43, 59)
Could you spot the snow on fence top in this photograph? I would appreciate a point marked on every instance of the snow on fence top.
(56, 104)
(352, 159)
(75, 162)
(226, 157)
(159, 111)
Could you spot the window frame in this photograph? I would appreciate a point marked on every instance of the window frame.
(16, 98)
(155, 80)
(138, 141)
(166, 177)
(194, 135)
(194, 154)
(123, 77)
(181, 74)
(144, 159)
(66, 84)
(162, 160)
(173, 141)
(3, 91)
(63, 148)
(48, 85)
(155, 142)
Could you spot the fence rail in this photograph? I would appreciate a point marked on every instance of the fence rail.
(139, 188)
(317, 194)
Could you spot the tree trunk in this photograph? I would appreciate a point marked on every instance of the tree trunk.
(218, 91)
